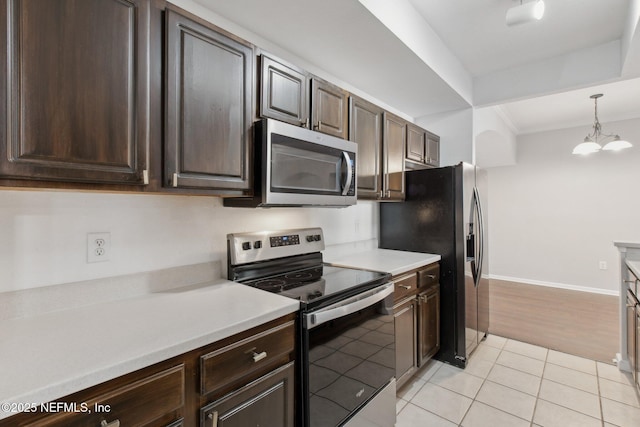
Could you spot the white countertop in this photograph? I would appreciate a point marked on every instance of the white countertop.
(46, 357)
(625, 244)
(386, 260)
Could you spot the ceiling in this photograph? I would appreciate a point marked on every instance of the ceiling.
(425, 62)
(476, 32)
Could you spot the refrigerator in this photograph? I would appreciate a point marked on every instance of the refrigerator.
(445, 213)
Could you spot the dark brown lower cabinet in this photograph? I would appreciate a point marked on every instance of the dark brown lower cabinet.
(417, 319)
(267, 402)
(406, 339)
(428, 323)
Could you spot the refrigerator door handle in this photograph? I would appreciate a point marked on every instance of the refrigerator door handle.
(480, 233)
(472, 253)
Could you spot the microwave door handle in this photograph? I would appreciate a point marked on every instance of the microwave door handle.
(376, 295)
(349, 178)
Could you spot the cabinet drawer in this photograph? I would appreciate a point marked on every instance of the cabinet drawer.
(155, 400)
(246, 359)
(429, 276)
(405, 286)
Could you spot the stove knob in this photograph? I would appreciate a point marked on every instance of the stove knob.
(257, 244)
(317, 237)
(310, 238)
(246, 246)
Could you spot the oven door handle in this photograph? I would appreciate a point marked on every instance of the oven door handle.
(348, 306)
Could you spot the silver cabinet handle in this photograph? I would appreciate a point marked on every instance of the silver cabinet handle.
(259, 356)
(381, 195)
(214, 418)
(319, 125)
(305, 123)
(405, 286)
(115, 423)
(431, 276)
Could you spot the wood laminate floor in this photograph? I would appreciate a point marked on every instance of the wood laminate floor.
(579, 323)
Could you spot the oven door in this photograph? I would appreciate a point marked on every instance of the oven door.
(303, 167)
(349, 360)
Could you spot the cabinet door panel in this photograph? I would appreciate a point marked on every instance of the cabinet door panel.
(329, 109)
(79, 90)
(428, 324)
(284, 94)
(208, 107)
(267, 402)
(395, 137)
(365, 129)
(433, 149)
(406, 339)
(416, 143)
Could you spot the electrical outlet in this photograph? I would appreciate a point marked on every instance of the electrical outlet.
(603, 265)
(98, 247)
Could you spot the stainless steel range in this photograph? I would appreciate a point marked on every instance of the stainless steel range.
(346, 347)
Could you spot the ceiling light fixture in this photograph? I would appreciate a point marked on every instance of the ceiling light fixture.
(525, 12)
(593, 141)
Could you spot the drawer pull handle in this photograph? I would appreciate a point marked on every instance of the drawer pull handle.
(115, 423)
(214, 418)
(431, 276)
(259, 356)
(405, 286)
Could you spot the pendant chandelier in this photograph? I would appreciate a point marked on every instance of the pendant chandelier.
(594, 141)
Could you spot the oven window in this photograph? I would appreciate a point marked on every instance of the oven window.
(304, 167)
(350, 359)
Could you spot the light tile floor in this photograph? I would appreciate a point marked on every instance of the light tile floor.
(510, 383)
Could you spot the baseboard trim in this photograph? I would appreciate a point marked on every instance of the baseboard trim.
(599, 291)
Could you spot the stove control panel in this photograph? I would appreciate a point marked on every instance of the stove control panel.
(245, 248)
(292, 239)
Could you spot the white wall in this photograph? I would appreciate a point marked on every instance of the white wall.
(455, 129)
(554, 215)
(44, 234)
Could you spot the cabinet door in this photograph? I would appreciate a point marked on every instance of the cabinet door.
(393, 148)
(433, 149)
(636, 364)
(428, 324)
(416, 143)
(631, 332)
(266, 402)
(365, 129)
(406, 338)
(328, 108)
(284, 92)
(208, 107)
(76, 97)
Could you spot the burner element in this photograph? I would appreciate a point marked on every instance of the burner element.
(270, 284)
(302, 275)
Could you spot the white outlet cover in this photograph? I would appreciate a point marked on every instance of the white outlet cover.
(98, 247)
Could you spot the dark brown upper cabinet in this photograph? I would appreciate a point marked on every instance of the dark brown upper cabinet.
(416, 143)
(423, 147)
(365, 129)
(433, 150)
(209, 81)
(76, 94)
(284, 92)
(393, 151)
(329, 108)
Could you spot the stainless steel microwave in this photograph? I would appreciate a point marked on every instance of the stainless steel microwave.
(299, 167)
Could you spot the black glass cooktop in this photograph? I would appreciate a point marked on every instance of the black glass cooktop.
(320, 283)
